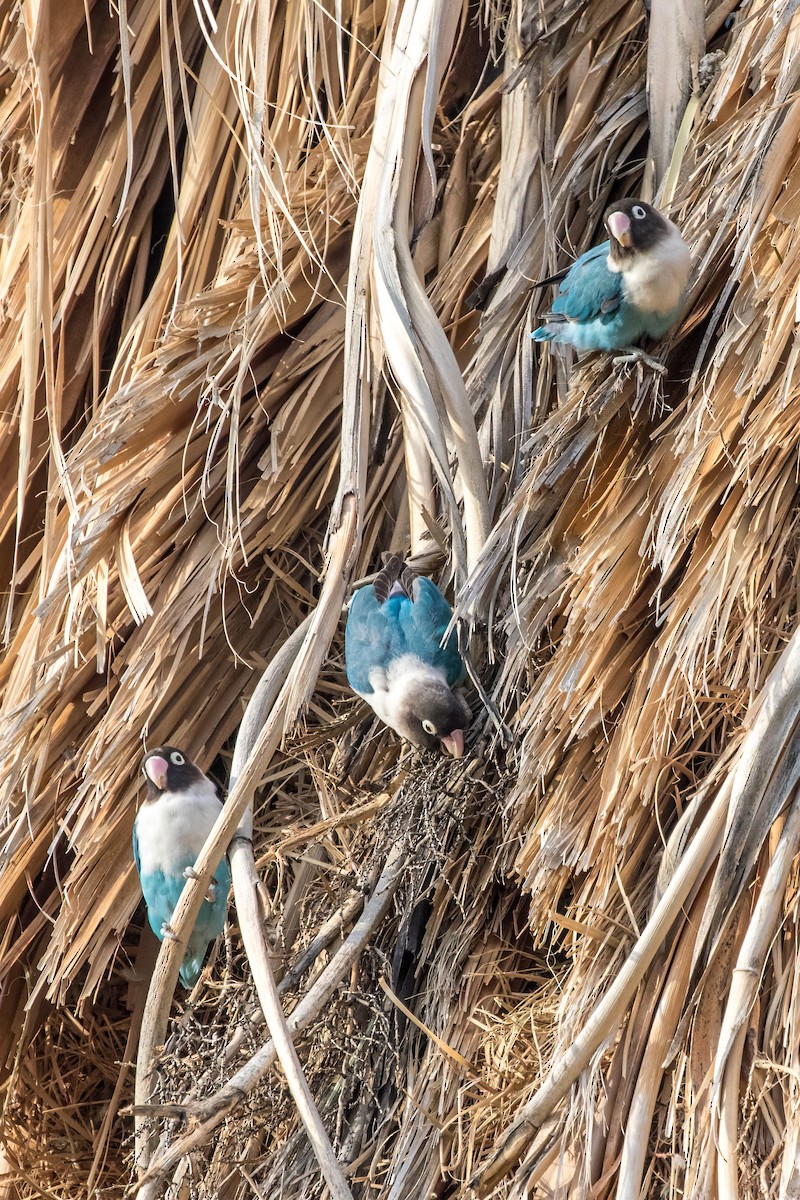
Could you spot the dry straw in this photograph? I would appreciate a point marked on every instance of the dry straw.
(237, 363)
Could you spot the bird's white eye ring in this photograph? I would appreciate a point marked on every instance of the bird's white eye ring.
(429, 727)
(177, 758)
(638, 212)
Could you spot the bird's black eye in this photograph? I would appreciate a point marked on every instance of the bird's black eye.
(638, 212)
(429, 727)
(177, 758)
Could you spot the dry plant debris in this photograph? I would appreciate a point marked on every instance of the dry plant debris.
(237, 363)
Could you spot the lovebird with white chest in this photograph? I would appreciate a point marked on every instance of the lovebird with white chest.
(179, 811)
(627, 288)
(395, 658)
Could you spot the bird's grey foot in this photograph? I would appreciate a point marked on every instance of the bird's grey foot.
(634, 354)
(211, 894)
(168, 932)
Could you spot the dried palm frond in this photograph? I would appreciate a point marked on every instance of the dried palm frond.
(239, 361)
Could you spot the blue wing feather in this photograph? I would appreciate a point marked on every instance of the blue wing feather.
(367, 640)
(376, 634)
(589, 290)
(426, 621)
(589, 311)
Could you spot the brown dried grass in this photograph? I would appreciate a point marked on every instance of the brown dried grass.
(188, 402)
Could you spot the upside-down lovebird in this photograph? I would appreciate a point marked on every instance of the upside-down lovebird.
(398, 659)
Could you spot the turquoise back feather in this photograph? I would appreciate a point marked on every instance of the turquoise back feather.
(162, 892)
(376, 634)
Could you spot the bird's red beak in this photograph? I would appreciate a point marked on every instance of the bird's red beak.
(454, 743)
(619, 226)
(156, 770)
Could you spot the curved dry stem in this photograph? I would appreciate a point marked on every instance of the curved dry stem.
(264, 696)
(245, 890)
(245, 887)
(305, 663)
(433, 396)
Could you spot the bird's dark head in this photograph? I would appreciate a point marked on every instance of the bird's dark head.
(432, 714)
(168, 769)
(635, 227)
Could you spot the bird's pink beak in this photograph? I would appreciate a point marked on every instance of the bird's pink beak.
(619, 226)
(454, 743)
(156, 769)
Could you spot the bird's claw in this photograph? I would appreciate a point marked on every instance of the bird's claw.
(638, 356)
(211, 893)
(168, 932)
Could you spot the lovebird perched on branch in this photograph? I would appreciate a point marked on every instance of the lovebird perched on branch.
(395, 658)
(626, 288)
(180, 809)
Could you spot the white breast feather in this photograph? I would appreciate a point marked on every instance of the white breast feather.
(390, 688)
(175, 826)
(654, 281)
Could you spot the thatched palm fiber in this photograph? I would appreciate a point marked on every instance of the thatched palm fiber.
(235, 258)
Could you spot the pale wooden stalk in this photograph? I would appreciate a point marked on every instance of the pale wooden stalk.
(747, 975)
(248, 911)
(422, 424)
(752, 957)
(343, 548)
(675, 44)
(650, 1073)
(419, 482)
(420, 355)
(517, 186)
(728, 1131)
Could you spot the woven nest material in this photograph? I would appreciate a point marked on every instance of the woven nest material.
(238, 362)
